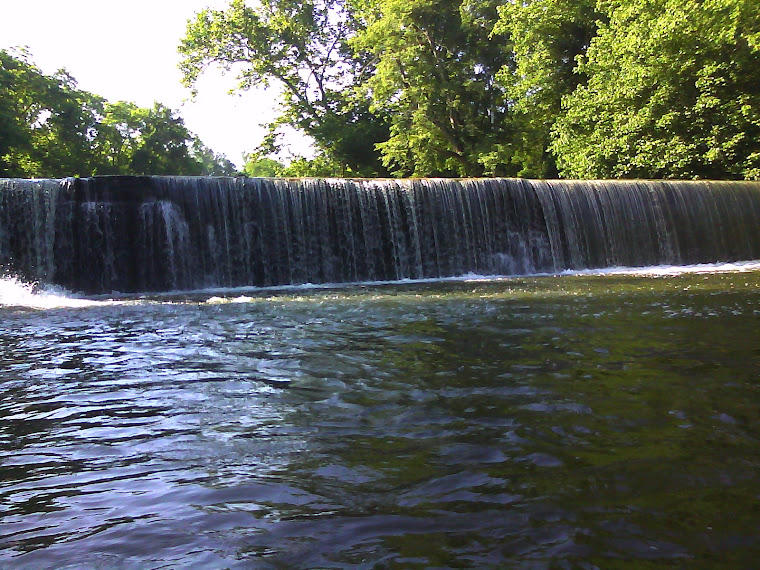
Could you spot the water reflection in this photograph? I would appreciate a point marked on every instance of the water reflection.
(573, 420)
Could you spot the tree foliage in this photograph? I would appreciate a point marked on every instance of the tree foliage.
(435, 77)
(262, 167)
(50, 128)
(673, 91)
(153, 141)
(548, 39)
(46, 124)
(582, 88)
(539, 88)
(302, 48)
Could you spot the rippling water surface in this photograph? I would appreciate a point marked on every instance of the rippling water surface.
(586, 420)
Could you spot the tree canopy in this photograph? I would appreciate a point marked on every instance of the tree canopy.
(673, 91)
(541, 88)
(50, 128)
(535, 88)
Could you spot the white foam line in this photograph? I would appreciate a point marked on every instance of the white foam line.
(16, 293)
(222, 294)
(672, 270)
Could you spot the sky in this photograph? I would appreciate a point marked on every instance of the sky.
(127, 51)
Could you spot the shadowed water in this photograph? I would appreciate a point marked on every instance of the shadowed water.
(580, 421)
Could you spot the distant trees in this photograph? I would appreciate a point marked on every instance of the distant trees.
(262, 167)
(542, 88)
(135, 140)
(50, 128)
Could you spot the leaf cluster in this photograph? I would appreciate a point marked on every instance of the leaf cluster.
(673, 91)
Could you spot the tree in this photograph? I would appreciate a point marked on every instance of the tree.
(50, 128)
(436, 66)
(262, 167)
(118, 137)
(319, 166)
(548, 37)
(14, 128)
(136, 140)
(672, 92)
(164, 144)
(212, 164)
(46, 123)
(303, 48)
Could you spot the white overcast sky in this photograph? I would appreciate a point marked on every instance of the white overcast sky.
(127, 51)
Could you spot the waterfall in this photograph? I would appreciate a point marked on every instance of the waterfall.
(132, 234)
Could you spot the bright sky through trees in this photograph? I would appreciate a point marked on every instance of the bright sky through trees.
(128, 51)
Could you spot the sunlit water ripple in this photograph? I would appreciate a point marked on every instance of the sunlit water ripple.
(582, 420)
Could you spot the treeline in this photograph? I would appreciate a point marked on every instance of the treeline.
(534, 88)
(49, 129)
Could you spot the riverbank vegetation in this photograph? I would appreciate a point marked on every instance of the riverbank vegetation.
(535, 88)
(50, 128)
(538, 88)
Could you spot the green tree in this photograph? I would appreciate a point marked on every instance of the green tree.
(262, 167)
(50, 128)
(212, 163)
(165, 144)
(15, 111)
(437, 62)
(548, 37)
(62, 140)
(319, 166)
(136, 140)
(672, 92)
(302, 47)
(46, 124)
(118, 137)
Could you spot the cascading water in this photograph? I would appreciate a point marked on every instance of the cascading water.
(132, 234)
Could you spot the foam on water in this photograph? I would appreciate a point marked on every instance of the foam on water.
(672, 270)
(219, 295)
(16, 293)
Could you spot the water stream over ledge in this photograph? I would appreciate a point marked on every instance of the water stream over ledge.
(135, 234)
(572, 421)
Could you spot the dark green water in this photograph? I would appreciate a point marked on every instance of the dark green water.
(574, 421)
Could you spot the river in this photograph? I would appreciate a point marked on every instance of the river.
(580, 420)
